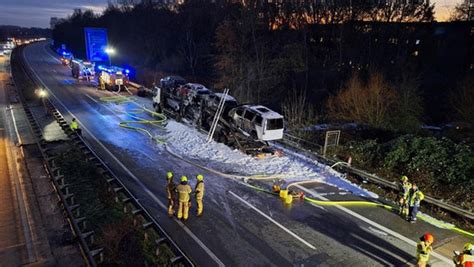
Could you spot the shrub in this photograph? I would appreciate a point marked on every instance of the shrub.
(442, 163)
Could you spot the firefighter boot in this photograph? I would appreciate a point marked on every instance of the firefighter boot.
(199, 207)
(170, 208)
(180, 210)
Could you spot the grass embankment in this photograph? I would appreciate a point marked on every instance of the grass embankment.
(124, 243)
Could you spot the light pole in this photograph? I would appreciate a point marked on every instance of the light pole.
(110, 51)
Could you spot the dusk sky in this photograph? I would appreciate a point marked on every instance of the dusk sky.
(37, 13)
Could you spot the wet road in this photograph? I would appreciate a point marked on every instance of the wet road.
(240, 226)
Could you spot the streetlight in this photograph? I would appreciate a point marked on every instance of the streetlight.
(42, 93)
(110, 51)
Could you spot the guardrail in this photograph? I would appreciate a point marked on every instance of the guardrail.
(315, 150)
(141, 216)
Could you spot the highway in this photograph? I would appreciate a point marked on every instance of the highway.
(240, 226)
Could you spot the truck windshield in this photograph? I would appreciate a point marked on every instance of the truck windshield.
(274, 124)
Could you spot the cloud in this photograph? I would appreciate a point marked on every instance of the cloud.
(33, 13)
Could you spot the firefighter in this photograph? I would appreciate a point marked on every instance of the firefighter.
(403, 188)
(415, 196)
(423, 249)
(75, 126)
(466, 258)
(199, 193)
(183, 190)
(171, 193)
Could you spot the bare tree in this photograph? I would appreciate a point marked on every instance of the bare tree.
(368, 103)
(298, 111)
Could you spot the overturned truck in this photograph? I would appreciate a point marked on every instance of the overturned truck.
(245, 127)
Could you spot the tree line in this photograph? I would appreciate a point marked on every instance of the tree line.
(312, 60)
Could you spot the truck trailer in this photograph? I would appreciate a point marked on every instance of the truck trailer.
(245, 127)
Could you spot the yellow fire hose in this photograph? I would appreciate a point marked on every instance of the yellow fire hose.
(420, 216)
(161, 118)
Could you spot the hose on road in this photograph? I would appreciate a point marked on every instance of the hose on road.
(133, 113)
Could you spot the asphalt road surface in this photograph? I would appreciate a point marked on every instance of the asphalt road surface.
(240, 226)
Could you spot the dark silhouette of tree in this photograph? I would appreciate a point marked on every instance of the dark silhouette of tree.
(460, 12)
(462, 100)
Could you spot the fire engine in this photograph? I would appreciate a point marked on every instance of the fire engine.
(113, 78)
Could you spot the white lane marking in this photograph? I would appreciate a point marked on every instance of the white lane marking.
(138, 181)
(380, 227)
(91, 98)
(273, 221)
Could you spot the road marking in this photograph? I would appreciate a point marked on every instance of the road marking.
(380, 227)
(139, 182)
(273, 221)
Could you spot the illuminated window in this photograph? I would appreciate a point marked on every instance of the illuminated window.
(417, 42)
(393, 41)
(415, 53)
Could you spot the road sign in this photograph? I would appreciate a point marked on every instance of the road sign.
(96, 42)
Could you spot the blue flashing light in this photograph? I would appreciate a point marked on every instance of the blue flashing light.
(127, 71)
(64, 53)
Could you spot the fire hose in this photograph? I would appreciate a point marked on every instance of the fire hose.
(133, 113)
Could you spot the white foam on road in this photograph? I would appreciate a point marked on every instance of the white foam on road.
(190, 143)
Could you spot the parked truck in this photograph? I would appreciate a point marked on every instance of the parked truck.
(245, 127)
(82, 69)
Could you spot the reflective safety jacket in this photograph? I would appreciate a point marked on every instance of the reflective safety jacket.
(199, 190)
(183, 190)
(464, 260)
(415, 197)
(74, 125)
(403, 189)
(423, 251)
(170, 190)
